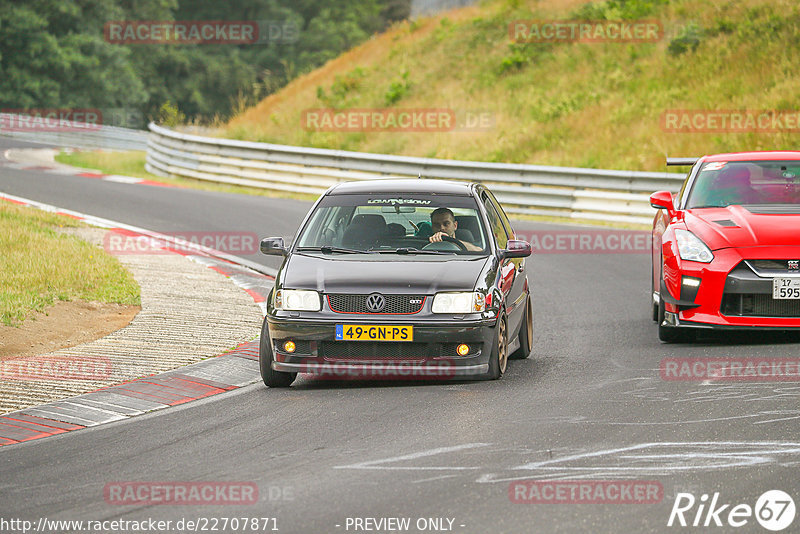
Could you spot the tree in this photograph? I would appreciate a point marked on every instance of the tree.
(52, 54)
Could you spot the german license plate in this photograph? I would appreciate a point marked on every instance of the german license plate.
(786, 288)
(371, 332)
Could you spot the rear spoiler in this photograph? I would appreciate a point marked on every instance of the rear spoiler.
(684, 162)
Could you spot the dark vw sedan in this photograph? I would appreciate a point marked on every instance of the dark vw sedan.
(398, 279)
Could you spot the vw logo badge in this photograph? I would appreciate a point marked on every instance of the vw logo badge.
(376, 302)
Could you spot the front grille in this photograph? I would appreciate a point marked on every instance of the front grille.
(395, 304)
(759, 305)
(390, 351)
(768, 264)
(378, 350)
(775, 266)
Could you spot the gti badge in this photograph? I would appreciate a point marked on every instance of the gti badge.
(794, 265)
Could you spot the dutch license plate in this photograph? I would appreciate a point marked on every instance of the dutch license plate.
(786, 288)
(371, 332)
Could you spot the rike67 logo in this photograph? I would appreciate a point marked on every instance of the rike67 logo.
(774, 510)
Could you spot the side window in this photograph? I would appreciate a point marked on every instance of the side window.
(495, 222)
(322, 229)
(503, 216)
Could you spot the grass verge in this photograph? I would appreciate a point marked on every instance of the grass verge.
(40, 265)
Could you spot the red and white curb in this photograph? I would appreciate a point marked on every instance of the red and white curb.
(228, 371)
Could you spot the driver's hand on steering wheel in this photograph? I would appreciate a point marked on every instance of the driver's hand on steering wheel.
(437, 237)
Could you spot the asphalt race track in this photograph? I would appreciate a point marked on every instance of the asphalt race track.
(589, 404)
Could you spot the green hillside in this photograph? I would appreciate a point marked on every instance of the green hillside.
(596, 104)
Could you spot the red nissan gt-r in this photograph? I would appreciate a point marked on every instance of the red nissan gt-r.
(726, 248)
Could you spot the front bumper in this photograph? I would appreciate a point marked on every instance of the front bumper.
(730, 294)
(430, 355)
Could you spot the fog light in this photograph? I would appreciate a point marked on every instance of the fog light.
(462, 350)
(289, 346)
(689, 288)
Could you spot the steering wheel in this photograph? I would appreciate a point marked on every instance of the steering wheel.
(445, 239)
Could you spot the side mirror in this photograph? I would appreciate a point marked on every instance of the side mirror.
(273, 246)
(516, 249)
(663, 200)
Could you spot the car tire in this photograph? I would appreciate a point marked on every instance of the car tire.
(525, 333)
(672, 334)
(498, 359)
(271, 377)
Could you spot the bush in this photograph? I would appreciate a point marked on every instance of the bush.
(397, 90)
(170, 115)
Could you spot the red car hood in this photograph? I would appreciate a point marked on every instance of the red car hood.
(737, 226)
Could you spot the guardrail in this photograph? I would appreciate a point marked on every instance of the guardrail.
(83, 136)
(577, 193)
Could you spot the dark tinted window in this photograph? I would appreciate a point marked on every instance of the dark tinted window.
(495, 222)
(721, 184)
(384, 222)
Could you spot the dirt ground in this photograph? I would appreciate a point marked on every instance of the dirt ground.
(64, 325)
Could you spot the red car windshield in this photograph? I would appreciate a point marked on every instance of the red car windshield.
(721, 184)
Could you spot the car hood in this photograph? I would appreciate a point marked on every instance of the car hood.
(745, 226)
(386, 274)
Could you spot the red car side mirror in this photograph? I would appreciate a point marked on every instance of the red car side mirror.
(663, 200)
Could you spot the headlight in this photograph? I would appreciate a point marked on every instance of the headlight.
(297, 300)
(691, 248)
(472, 302)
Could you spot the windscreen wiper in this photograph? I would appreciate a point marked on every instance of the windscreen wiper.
(412, 250)
(330, 250)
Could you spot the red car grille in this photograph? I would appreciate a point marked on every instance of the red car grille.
(775, 267)
(759, 305)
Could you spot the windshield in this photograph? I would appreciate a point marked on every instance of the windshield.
(394, 223)
(721, 184)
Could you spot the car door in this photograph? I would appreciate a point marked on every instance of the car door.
(511, 278)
